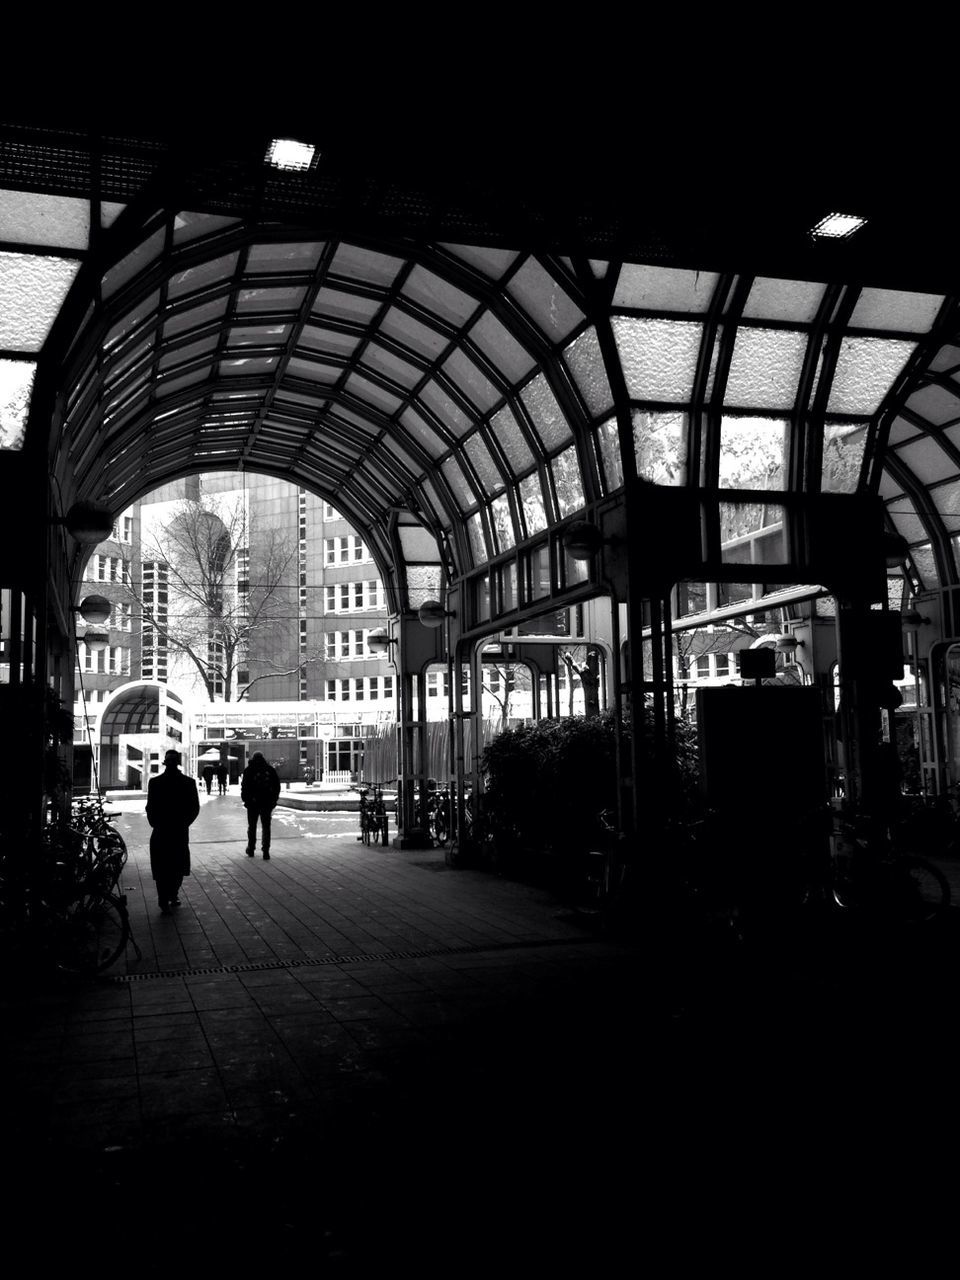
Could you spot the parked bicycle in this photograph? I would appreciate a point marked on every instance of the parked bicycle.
(867, 870)
(374, 822)
(62, 905)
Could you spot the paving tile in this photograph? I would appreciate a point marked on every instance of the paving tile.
(173, 1093)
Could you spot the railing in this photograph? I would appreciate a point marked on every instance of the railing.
(340, 776)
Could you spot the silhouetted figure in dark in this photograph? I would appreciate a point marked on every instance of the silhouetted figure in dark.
(589, 673)
(259, 791)
(172, 805)
(207, 776)
(222, 778)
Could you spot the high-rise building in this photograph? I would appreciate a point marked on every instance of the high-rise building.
(267, 537)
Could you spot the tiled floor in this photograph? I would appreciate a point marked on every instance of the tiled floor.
(349, 1059)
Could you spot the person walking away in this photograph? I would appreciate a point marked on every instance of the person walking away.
(172, 805)
(259, 791)
(208, 777)
(222, 778)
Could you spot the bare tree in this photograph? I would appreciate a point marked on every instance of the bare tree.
(225, 588)
(512, 676)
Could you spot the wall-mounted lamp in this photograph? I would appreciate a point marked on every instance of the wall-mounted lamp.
(432, 613)
(96, 641)
(581, 540)
(93, 609)
(912, 620)
(379, 641)
(787, 643)
(87, 522)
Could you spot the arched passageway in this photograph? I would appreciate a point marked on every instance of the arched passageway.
(735, 427)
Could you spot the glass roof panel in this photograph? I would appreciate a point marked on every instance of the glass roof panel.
(32, 290)
(281, 299)
(752, 453)
(660, 446)
(502, 522)
(585, 360)
(187, 380)
(890, 309)
(608, 444)
(191, 351)
(547, 416)
(936, 403)
(453, 474)
(273, 259)
(926, 459)
(189, 226)
(194, 317)
(866, 369)
(492, 262)
(365, 264)
(420, 338)
(213, 271)
(438, 296)
(402, 455)
(471, 382)
(423, 583)
(567, 481)
(664, 288)
(501, 348)
(478, 543)
(133, 263)
(127, 323)
(794, 300)
(765, 368)
(385, 362)
(532, 504)
(258, 335)
(344, 306)
(659, 357)
(450, 414)
(483, 463)
(542, 297)
(418, 543)
(507, 431)
(948, 357)
(424, 434)
(16, 385)
(313, 338)
(248, 365)
(946, 500)
(62, 222)
(364, 389)
(926, 566)
(842, 460)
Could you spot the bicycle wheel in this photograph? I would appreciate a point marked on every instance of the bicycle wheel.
(92, 933)
(926, 890)
(365, 829)
(384, 829)
(440, 824)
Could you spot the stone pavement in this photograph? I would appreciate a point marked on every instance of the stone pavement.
(350, 1058)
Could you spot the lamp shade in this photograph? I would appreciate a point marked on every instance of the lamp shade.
(431, 613)
(95, 640)
(581, 540)
(895, 548)
(378, 641)
(89, 522)
(94, 609)
(786, 643)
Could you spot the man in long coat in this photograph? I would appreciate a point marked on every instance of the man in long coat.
(172, 805)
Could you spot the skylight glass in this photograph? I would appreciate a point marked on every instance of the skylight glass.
(836, 226)
(286, 153)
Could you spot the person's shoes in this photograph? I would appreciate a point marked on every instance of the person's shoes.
(266, 855)
(174, 902)
(249, 853)
(165, 908)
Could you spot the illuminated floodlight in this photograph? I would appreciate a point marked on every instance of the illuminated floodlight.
(837, 226)
(285, 153)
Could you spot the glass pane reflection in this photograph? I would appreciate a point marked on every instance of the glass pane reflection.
(752, 453)
(843, 448)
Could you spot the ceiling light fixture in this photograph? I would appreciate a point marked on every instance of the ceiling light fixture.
(287, 153)
(837, 226)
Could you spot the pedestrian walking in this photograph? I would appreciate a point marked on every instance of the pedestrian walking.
(172, 805)
(259, 791)
(207, 776)
(222, 778)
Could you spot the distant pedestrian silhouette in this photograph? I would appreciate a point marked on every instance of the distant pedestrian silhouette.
(222, 778)
(207, 776)
(259, 791)
(172, 805)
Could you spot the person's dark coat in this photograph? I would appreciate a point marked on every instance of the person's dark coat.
(260, 786)
(172, 804)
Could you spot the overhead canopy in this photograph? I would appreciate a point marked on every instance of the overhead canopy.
(456, 399)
